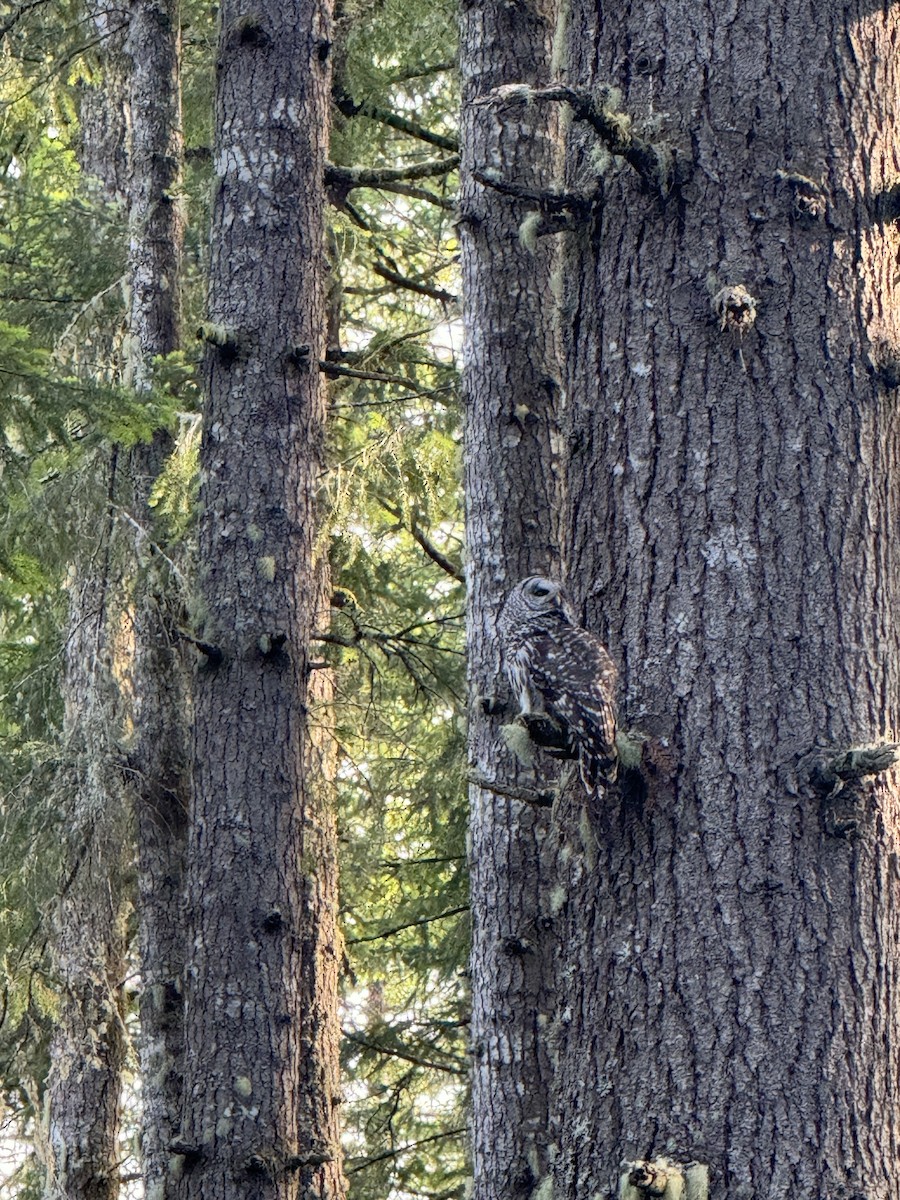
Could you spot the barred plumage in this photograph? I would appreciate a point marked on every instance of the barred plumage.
(559, 670)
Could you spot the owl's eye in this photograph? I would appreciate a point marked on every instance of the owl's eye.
(540, 589)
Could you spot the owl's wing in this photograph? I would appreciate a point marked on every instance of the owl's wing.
(577, 680)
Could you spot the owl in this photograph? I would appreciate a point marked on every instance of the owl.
(560, 671)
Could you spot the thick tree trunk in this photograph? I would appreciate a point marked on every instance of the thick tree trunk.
(261, 1028)
(87, 1052)
(733, 946)
(160, 753)
(512, 400)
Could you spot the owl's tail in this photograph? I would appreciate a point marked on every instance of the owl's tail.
(598, 770)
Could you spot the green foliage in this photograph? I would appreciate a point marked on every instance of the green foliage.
(395, 510)
(402, 813)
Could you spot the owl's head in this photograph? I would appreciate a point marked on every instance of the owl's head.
(539, 595)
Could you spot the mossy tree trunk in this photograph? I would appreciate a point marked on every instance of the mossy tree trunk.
(732, 934)
(512, 400)
(261, 1027)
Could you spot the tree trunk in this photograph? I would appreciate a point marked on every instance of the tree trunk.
(88, 936)
(160, 752)
(261, 1025)
(512, 400)
(87, 1051)
(732, 937)
(103, 115)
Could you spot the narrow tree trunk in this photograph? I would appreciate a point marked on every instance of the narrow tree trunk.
(512, 399)
(160, 754)
(732, 995)
(103, 115)
(87, 1051)
(261, 1032)
(88, 939)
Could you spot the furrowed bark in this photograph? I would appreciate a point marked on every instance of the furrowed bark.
(159, 756)
(513, 504)
(88, 937)
(261, 1027)
(87, 1051)
(731, 994)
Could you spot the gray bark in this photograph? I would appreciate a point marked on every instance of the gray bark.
(88, 940)
(732, 941)
(159, 756)
(261, 1023)
(513, 507)
(87, 1051)
(103, 109)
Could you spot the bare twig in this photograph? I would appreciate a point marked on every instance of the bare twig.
(413, 285)
(144, 535)
(386, 117)
(398, 1150)
(538, 799)
(438, 557)
(334, 369)
(447, 203)
(404, 1055)
(546, 202)
(386, 933)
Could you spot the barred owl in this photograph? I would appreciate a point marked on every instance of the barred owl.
(558, 670)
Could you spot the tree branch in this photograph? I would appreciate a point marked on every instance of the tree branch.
(386, 933)
(413, 285)
(404, 1055)
(546, 202)
(427, 545)
(334, 369)
(542, 799)
(448, 203)
(385, 116)
(376, 1158)
(853, 764)
(374, 177)
(654, 163)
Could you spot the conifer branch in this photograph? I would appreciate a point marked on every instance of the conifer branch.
(16, 15)
(385, 116)
(420, 70)
(413, 285)
(386, 933)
